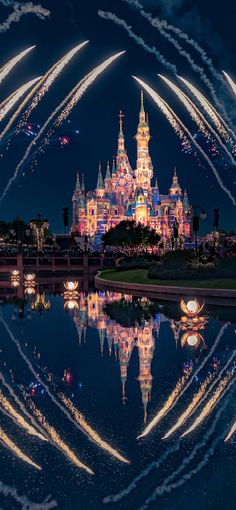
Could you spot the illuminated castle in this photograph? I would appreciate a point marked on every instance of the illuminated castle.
(127, 194)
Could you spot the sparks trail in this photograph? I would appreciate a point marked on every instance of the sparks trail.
(122, 23)
(5, 70)
(10, 102)
(210, 405)
(20, 10)
(18, 418)
(210, 382)
(170, 402)
(25, 503)
(21, 406)
(167, 487)
(159, 25)
(89, 431)
(198, 117)
(157, 100)
(190, 380)
(74, 96)
(40, 89)
(214, 115)
(8, 443)
(231, 82)
(57, 441)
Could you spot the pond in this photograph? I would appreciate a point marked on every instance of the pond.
(110, 401)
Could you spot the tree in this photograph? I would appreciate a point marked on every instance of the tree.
(131, 238)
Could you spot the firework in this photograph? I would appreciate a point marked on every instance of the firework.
(5, 70)
(231, 82)
(14, 448)
(197, 117)
(18, 418)
(159, 100)
(57, 441)
(10, 102)
(215, 117)
(89, 431)
(20, 10)
(214, 400)
(40, 89)
(72, 98)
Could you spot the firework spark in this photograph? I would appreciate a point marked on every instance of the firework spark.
(214, 400)
(72, 98)
(10, 102)
(89, 431)
(18, 418)
(40, 89)
(61, 445)
(14, 448)
(5, 70)
(198, 117)
(231, 82)
(159, 100)
(215, 117)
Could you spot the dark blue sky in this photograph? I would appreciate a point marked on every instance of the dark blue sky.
(50, 186)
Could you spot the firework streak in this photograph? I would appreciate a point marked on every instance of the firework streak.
(167, 487)
(25, 503)
(21, 405)
(41, 88)
(158, 100)
(210, 405)
(215, 117)
(10, 102)
(231, 82)
(8, 443)
(189, 381)
(20, 10)
(72, 99)
(89, 431)
(5, 70)
(200, 396)
(57, 441)
(197, 117)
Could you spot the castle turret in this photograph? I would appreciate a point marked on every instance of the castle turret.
(100, 189)
(144, 170)
(175, 189)
(108, 184)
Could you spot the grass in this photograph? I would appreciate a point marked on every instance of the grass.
(141, 276)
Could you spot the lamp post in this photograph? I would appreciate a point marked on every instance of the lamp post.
(198, 213)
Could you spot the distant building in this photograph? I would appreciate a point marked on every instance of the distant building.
(127, 194)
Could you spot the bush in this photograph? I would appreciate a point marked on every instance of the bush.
(177, 259)
(136, 262)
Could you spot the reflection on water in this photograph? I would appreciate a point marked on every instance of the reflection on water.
(113, 384)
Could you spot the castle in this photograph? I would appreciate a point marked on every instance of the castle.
(127, 194)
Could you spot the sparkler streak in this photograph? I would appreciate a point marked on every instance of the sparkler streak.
(89, 431)
(210, 405)
(197, 116)
(5, 70)
(10, 102)
(200, 397)
(231, 82)
(166, 486)
(18, 418)
(41, 88)
(189, 381)
(57, 441)
(8, 443)
(74, 96)
(158, 100)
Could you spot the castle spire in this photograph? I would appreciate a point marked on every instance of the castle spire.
(100, 184)
(77, 187)
(82, 185)
(113, 171)
(108, 172)
(142, 114)
(121, 139)
(175, 189)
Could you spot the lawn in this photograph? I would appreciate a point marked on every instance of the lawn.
(141, 276)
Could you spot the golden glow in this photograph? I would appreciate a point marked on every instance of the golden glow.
(57, 440)
(10, 102)
(71, 305)
(192, 338)
(231, 82)
(12, 446)
(71, 286)
(5, 70)
(29, 277)
(18, 418)
(191, 308)
(15, 272)
(91, 433)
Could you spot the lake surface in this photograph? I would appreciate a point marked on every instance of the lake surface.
(89, 375)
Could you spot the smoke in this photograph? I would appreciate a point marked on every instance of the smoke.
(20, 10)
(25, 503)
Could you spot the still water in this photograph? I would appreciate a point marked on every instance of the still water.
(95, 394)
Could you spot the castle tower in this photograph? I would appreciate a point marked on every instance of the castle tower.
(100, 189)
(108, 184)
(175, 190)
(144, 170)
(145, 344)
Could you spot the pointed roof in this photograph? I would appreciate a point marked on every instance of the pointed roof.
(113, 166)
(121, 116)
(82, 185)
(175, 183)
(100, 184)
(108, 172)
(142, 114)
(77, 186)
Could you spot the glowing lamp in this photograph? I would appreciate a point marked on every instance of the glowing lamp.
(71, 286)
(71, 305)
(191, 308)
(15, 283)
(29, 277)
(192, 340)
(15, 272)
(30, 291)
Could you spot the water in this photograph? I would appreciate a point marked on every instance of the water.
(117, 359)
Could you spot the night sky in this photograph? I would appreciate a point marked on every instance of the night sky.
(50, 186)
